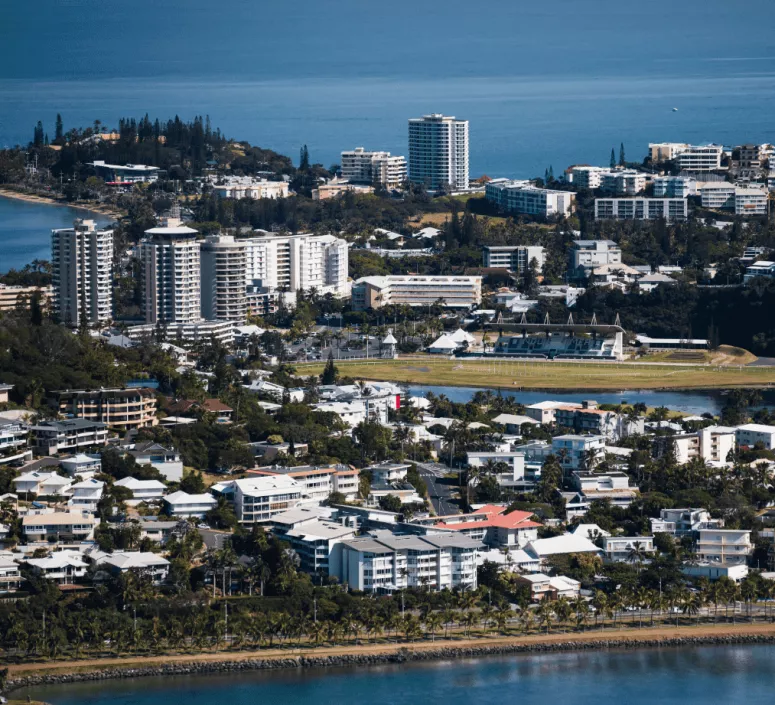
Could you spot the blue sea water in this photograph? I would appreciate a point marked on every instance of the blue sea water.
(692, 676)
(541, 83)
(25, 230)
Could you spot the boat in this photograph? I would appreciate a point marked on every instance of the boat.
(675, 110)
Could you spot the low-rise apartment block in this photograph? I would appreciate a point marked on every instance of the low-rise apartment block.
(416, 290)
(117, 408)
(52, 437)
(586, 177)
(752, 433)
(576, 452)
(525, 198)
(724, 546)
(625, 182)
(684, 522)
(710, 444)
(494, 526)
(588, 254)
(515, 258)
(386, 562)
(674, 186)
(259, 499)
(13, 297)
(249, 187)
(362, 167)
(316, 482)
(671, 209)
(184, 505)
(722, 195)
(621, 549)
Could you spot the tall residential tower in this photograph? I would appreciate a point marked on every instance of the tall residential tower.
(438, 152)
(81, 265)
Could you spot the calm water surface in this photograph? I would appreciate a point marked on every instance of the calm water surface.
(695, 676)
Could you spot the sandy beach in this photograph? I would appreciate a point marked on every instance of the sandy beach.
(35, 198)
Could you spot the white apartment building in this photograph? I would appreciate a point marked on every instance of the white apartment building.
(722, 195)
(362, 167)
(224, 266)
(438, 152)
(171, 273)
(70, 436)
(672, 209)
(619, 548)
(188, 332)
(544, 411)
(710, 444)
(388, 472)
(387, 562)
(724, 546)
(588, 254)
(237, 187)
(674, 186)
(684, 522)
(718, 195)
(586, 177)
(13, 436)
(298, 262)
(416, 290)
(576, 452)
(258, 499)
(697, 158)
(625, 182)
(751, 201)
(317, 482)
(761, 268)
(666, 151)
(752, 433)
(526, 198)
(81, 267)
(515, 258)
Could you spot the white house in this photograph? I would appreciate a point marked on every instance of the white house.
(82, 465)
(41, 484)
(145, 490)
(142, 563)
(752, 433)
(166, 460)
(621, 548)
(182, 504)
(62, 567)
(544, 587)
(86, 495)
(543, 549)
(59, 526)
(10, 576)
(388, 472)
(684, 522)
(724, 546)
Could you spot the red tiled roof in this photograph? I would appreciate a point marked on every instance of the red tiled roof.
(496, 518)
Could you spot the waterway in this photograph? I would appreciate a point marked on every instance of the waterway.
(669, 676)
(25, 229)
(689, 401)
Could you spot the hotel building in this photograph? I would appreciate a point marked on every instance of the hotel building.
(438, 152)
(416, 290)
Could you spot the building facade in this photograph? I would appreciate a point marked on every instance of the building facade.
(171, 274)
(362, 167)
(671, 209)
(224, 265)
(410, 290)
(81, 268)
(515, 258)
(438, 152)
(674, 186)
(117, 408)
(526, 198)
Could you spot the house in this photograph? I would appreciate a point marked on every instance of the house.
(276, 391)
(543, 587)
(62, 567)
(612, 487)
(589, 531)
(575, 452)
(158, 530)
(166, 460)
(5, 389)
(144, 490)
(403, 490)
(515, 473)
(183, 407)
(625, 548)
(443, 345)
(41, 484)
(70, 436)
(270, 451)
(514, 422)
(388, 472)
(724, 546)
(182, 504)
(543, 549)
(713, 571)
(81, 465)
(13, 439)
(141, 563)
(86, 495)
(684, 522)
(10, 577)
(257, 499)
(317, 483)
(72, 525)
(493, 526)
(544, 411)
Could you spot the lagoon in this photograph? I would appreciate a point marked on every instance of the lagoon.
(669, 676)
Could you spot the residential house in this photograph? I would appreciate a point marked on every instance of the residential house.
(86, 495)
(684, 522)
(62, 567)
(166, 460)
(724, 546)
(543, 587)
(143, 490)
(141, 563)
(494, 526)
(52, 437)
(620, 549)
(41, 484)
(612, 487)
(317, 483)
(514, 422)
(405, 491)
(544, 411)
(182, 504)
(81, 465)
(567, 544)
(216, 407)
(72, 525)
(388, 472)
(10, 577)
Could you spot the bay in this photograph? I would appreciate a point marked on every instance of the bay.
(687, 676)
(25, 229)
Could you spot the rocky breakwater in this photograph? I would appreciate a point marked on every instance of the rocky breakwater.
(401, 654)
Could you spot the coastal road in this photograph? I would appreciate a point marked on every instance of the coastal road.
(441, 490)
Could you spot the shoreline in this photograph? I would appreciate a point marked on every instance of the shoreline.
(366, 654)
(10, 193)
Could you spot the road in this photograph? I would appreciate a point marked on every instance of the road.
(440, 489)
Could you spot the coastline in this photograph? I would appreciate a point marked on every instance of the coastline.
(366, 654)
(6, 192)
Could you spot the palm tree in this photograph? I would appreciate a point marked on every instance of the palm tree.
(433, 623)
(600, 603)
(637, 553)
(563, 609)
(581, 608)
(691, 605)
(545, 614)
(450, 617)
(469, 620)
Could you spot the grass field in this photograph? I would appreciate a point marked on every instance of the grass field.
(551, 375)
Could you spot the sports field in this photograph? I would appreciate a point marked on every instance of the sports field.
(551, 375)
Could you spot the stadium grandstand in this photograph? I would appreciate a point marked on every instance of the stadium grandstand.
(559, 341)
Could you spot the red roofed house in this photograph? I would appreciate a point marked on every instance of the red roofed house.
(492, 525)
(182, 407)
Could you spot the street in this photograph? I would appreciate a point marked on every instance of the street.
(441, 490)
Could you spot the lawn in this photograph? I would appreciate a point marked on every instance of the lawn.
(550, 375)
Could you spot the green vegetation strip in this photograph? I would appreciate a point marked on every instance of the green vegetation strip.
(551, 375)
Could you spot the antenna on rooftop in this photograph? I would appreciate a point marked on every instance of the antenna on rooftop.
(570, 319)
(524, 319)
(594, 320)
(617, 322)
(546, 319)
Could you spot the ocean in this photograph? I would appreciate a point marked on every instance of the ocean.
(541, 84)
(691, 676)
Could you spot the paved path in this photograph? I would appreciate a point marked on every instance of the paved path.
(440, 489)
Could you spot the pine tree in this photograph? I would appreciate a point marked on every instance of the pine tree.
(59, 130)
(551, 173)
(613, 158)
(621, 154)
(37, 135)
(330, 372)
(304, 158)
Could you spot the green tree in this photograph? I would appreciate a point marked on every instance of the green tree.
(330, 373)
(613, 158)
